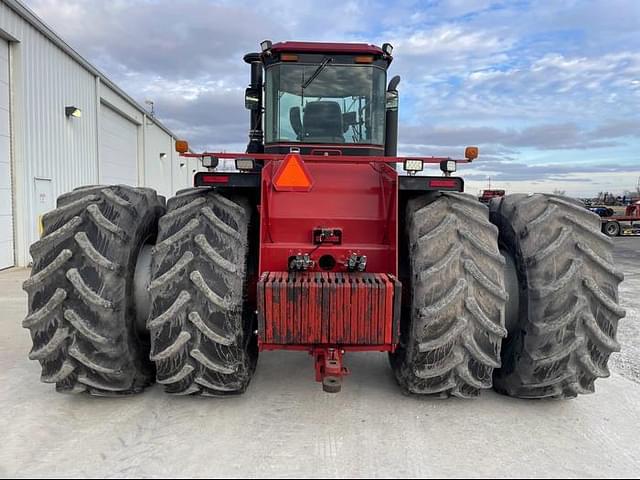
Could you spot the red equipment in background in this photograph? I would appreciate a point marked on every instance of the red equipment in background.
(627, 224)
(488, 194)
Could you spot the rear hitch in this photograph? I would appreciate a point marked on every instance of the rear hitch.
(329, 368)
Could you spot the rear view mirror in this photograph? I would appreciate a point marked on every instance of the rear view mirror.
(252, 99)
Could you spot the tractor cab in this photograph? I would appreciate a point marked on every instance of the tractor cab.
(323, 98)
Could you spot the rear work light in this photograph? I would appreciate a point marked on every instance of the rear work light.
(266, 45)
(244, 164)
(209, 161)
(448, 166)
(413, 166)
(292, 175)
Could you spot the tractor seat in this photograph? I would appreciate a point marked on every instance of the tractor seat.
(322, 122)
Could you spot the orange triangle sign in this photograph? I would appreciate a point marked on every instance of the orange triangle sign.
(292, 175)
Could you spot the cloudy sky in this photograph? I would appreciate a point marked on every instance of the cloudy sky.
(549, 90)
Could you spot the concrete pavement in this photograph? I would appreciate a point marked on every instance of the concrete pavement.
(286, 426)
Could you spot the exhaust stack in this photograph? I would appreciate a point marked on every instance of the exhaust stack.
(256, 135)
(391, 130)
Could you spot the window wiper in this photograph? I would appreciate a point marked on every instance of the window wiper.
(324, 63)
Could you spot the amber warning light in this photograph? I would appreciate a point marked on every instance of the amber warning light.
(292, 176)
(182, 146)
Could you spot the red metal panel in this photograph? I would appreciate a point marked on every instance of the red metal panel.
(380, 306)
(272, 300)
(346, 308)
(304, 308)
(325, 312)
(339, 331)
(362, 313)
(312, 308)
(375, 304)
(285, 335)
(370, 310)
(389, 310)
(384, 313)
(261, 307)
(331, 292)
(326, 47)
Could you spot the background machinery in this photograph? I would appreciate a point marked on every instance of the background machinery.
(488, 194)
(318, 243)
(626, 224)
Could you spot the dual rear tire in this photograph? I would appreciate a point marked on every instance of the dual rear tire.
(563, 329)
(199, 338)
(82, 316)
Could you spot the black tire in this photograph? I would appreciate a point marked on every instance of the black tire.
(611, 229)
(569, 312)
(451, 336)
(81, 313)
(202, 338)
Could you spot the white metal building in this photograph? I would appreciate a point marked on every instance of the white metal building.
(45, 151)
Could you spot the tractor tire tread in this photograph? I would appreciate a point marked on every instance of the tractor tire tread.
(458, 298)
(197, 322)
(569, 315)
(80, 316)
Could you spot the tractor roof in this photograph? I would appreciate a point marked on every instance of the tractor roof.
(319, 47)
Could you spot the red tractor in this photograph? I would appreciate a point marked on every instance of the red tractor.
(627, 224)
(488, 195)
(318, 243)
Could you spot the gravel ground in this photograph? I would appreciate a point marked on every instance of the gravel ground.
(627, 256)
(286, 427)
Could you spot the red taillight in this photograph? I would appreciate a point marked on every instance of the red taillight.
(444, 183)
(215, 179)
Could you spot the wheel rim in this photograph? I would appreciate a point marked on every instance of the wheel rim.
(141, 279)
(612, 229)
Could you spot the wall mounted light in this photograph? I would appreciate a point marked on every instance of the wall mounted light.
(72, 111)
(163, 156)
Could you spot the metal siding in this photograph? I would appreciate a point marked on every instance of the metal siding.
(6, 192)
(47, 145)
(118, 148)
(158, 170)
(53, 146)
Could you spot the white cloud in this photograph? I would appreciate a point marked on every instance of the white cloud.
(524, 80)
